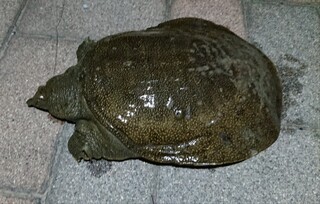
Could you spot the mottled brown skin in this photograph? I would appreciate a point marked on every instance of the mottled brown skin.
(187, 92)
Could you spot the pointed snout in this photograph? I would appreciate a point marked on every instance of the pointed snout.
(31, 102)
(39, 100)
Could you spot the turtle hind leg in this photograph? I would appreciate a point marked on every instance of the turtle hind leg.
(87, 142)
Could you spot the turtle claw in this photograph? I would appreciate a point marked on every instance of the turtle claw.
(87, 152)
(75, 148)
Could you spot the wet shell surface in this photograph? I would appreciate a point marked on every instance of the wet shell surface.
(186, 92)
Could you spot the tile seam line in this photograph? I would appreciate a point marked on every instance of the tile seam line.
(168, 8)
(42, 36)
(154, 188)
(45, 187)
(12, 29)
(19, 194)
(60, 16)
(243, 8)
(54, 163)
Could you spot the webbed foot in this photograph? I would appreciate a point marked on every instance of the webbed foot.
(83, 143)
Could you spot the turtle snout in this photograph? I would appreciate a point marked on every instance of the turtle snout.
(31, 102)
(38, 100)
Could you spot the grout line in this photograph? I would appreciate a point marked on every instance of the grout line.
(167, 12)
(244, 12)
(26, 193)
(58, 146)
(57, 36)
(12, 29)
(155, 186)
(55, 151)
(298, 127)
(48, 37)
(247, 21)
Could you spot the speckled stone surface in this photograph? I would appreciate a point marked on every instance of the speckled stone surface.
(9, 10)
(227, 13)
(27, 136)
(294, 47)
(80, 19)
(13, 200)
(35, 165)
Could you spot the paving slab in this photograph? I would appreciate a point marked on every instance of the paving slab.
(95, 18)
(227, 13)
(41, 17)
(287, 172)
(289, 35)
(281, 174)
(14, 200)
(8, 12)
(27, 135)
(99, 181)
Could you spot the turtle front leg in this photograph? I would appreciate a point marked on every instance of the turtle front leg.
(84, 143)
(87, 142)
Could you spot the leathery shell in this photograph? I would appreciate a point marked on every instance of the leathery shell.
(186, 92)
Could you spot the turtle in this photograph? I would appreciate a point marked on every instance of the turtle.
(187, 92)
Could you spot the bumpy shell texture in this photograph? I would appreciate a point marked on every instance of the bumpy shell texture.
(187, 92)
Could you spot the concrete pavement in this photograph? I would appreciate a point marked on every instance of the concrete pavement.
(39, 40)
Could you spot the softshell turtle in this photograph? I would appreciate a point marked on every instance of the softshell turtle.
(186, 92)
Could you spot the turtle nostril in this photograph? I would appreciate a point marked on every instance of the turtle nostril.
(31, 102)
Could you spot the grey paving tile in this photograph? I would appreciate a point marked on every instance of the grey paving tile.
(41, 17)
(27, 135)
(227, 13)
(90, 18)
(99, 182)
(290, 36)
(287, 172)
(13, 200)
(8, 11)
(66, 55)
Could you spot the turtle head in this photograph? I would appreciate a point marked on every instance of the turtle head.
(60, 96)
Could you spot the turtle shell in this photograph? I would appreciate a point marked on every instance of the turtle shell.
(187, 92)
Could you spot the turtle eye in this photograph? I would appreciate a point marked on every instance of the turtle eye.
(40, 94)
